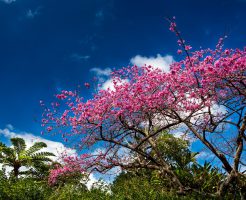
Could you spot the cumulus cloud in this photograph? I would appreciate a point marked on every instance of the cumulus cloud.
(161, 62)
(91, 181)
(110, 85)
(102, 72)
(8, 1)
(103, 76)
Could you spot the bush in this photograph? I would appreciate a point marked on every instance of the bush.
(23, 189)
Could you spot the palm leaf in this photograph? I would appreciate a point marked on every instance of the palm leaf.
(36, 147)
(19, 144)
(43, 154)
(42, 159)
(2, 146)
(7, 152)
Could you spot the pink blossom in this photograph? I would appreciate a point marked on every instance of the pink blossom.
(172, 26)
(179, 51)
(49, 128)
(188, 47)
(87, 85)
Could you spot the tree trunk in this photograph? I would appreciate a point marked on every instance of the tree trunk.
(224, 186)
(16, 169)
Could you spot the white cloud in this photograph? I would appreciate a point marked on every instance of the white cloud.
(99, 183)
(8, 1)
(110, 85)
(104, 78)
(56, 148)
(161, 62)
(218, 109)
(102, 72)
(91, 181)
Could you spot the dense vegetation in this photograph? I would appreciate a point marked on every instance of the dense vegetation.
(132, 184)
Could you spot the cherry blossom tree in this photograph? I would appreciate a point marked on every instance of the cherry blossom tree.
(204, 95)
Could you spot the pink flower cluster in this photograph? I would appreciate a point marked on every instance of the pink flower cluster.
(72, 165)
(192, 84)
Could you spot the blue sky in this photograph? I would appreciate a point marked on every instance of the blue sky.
(48, 45)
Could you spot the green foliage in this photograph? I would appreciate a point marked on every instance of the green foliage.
(149, 185)
(175, 151)
(77, 192)
(27, 189)
(140, 184)
(32, 189)
(129, 186)
(39, 171)
(73, 178)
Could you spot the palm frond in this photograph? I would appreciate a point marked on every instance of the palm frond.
(43, 154)
(7, 152)
(19, 144)
(2, 145)
(36, 147)
(42, 159)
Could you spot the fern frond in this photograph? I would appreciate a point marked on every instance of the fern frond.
(36, 147)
